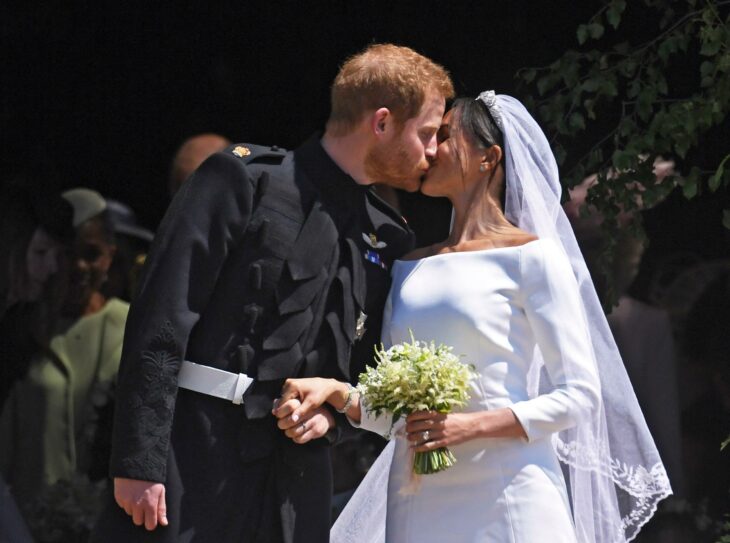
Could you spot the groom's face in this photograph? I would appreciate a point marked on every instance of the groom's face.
(402, 160)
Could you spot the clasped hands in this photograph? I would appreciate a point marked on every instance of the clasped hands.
(302, 418)
(300, 411)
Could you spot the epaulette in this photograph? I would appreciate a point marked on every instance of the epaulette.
(251, 154)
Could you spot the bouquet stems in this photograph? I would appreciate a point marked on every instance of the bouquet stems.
(433, 461)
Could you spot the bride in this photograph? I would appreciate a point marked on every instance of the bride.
(552, 446)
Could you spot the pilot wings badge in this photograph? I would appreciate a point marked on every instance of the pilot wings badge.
(371, 240)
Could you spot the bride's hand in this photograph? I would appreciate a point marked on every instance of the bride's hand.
(454, 428)
(306, 429)
(300, 397)
(428, 430)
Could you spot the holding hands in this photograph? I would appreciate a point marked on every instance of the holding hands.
(300, 409)
(303, 426)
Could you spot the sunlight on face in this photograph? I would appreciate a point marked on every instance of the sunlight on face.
(403, 159)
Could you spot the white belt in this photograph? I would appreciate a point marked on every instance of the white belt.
(214, 382)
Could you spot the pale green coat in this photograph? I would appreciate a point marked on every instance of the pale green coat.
(42, 426)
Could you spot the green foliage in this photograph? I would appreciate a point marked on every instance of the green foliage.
(609, 108)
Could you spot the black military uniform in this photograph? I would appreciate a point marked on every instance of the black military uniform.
(274, 264)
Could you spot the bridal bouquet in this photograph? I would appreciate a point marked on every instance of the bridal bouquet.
(417, 376)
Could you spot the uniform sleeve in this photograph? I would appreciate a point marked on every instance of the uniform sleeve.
(554, 310)
(207, 218)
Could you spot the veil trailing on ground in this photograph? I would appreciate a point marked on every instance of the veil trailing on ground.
(614, 475)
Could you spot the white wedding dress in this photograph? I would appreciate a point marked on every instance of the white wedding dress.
(493, 307)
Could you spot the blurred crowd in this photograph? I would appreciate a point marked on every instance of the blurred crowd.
(69, 264)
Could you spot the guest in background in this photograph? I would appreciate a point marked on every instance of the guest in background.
(133, 243)
(191, 154)
(49, 427)
(36, 233)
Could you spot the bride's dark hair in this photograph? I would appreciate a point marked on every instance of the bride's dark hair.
(473, 118)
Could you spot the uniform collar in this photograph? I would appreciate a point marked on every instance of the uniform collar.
(326, 175)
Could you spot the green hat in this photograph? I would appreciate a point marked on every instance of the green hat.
(86, 203)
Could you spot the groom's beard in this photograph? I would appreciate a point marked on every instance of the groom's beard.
(390, 165)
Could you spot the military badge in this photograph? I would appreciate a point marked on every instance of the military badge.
(371, 240)
(241, 151)
(360, 325)
(372, 256)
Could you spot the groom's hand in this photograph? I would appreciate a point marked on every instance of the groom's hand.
(312, 392)
(313, 425)
(144, 501)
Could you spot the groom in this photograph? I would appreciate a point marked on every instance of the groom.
(269, 264)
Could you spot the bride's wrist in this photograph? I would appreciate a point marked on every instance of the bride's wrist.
(341, 396)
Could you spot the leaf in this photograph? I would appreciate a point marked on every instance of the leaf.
(613, 16)
(595, 30)
(710, 48)
(582, 34)
(589, 104)
(633, 89)
(689, 189)
(608, 88)
(716, 179)
(592, 84)
(706, 68)
(543, 84)
(628, 67)
(645, 102)
(711, 42)
(622, 47)
(724, 63)
(577, 121)
(708, 16)
(528, 76)
(621, 160)
(690, 183)
(614, 11)
(665, 50)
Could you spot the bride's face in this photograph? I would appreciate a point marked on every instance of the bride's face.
(455, 168)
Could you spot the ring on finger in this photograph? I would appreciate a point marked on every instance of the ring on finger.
(303, 426)
(425, 435)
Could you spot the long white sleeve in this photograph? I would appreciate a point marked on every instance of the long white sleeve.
(553, 309)
(382, 425)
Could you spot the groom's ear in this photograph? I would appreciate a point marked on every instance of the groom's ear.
(380, 121)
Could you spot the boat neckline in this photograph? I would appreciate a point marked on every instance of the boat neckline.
(477, 251)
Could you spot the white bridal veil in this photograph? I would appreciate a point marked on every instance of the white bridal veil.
(613, 471)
